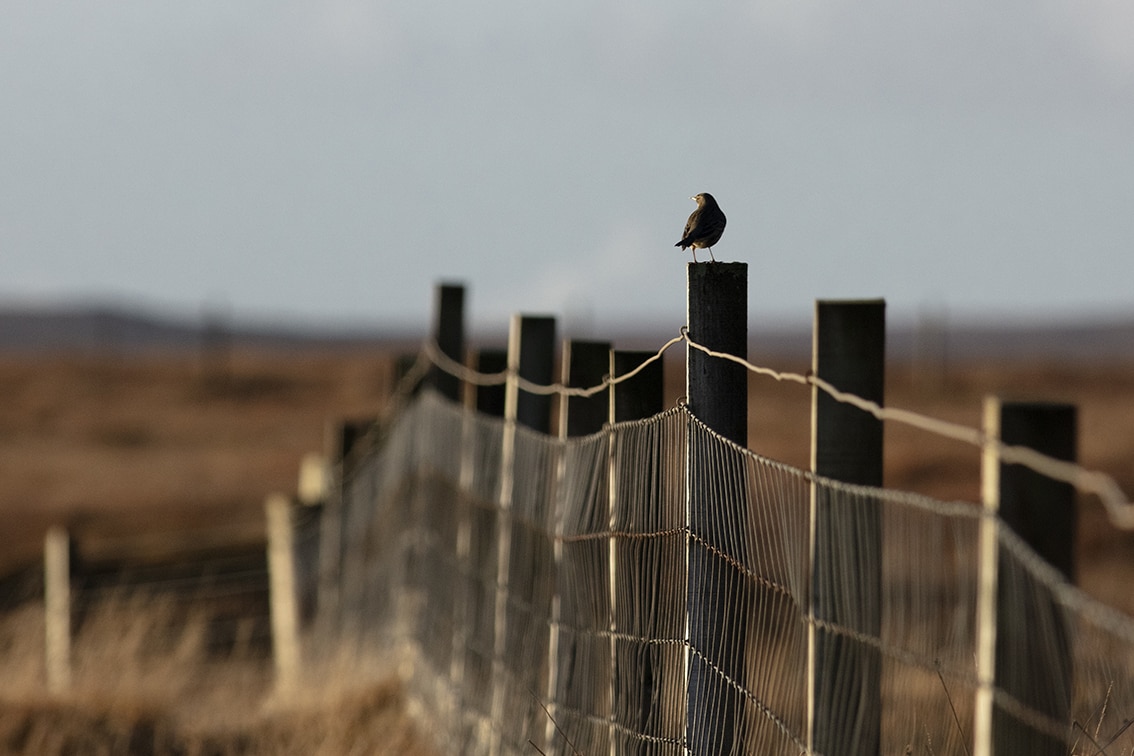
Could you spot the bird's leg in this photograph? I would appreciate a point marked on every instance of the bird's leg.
(711, 254)
(694, 253)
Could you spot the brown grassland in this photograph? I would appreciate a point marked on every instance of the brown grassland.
(158, 451)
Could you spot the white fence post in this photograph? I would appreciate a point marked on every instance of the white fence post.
(282, 587)
(531, 355)
(57, 608)
(1020, 619)
(988, 554)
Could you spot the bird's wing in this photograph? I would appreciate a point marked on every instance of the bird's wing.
(689, 224)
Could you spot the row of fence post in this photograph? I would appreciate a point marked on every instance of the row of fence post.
(847, 445)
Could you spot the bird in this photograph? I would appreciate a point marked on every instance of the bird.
(704, 227)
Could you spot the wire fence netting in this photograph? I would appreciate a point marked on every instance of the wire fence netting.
(551, 595)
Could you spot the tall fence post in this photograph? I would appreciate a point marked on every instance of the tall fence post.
(282, 592)
(1024, 645)
(57, 608)
(717, 394)
(579, 674)
(641, 569)
(449, 333)
(531, 356)
(534, 361)
(849, 352)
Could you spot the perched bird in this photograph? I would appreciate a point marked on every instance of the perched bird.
(704, 227)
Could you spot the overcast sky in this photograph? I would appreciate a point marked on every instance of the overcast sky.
(330, 161)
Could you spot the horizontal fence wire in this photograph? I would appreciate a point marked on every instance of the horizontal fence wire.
(194, 631)
(1118, 506)
(554, 618)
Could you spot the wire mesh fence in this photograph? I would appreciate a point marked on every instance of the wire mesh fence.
(539, 594)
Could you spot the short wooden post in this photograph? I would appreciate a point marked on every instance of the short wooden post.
(845, 676)
(449, 333)
(57, 608)
(717, 394)
(282, 592)
(1031, 660)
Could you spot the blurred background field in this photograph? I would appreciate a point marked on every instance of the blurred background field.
(153, 456)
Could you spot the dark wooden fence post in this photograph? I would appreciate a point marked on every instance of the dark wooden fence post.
(717, 394)
(531, 356)
(641, 569)
(585, 363)
(1032, 645)
(641, 396)
(449, 333)
(490, 399)
(1040, 510)
(845, 703)
(717, 318)
(535, 362)
(579, 678)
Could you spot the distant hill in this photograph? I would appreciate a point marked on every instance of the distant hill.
(1086, 340)
(110, 328)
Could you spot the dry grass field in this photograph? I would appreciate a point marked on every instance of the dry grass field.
(158, 453)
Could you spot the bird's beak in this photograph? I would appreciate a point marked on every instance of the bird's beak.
(694, 198)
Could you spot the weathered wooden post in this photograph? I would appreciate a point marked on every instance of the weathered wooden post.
(449, 333)
(717, 394)
(1023, 641)
(849, 352)
(641, 396)
(490, 399)
(282, 592)
(531, 356)
(579, 675)
(640, 567)
(57, 608)
(585, 363)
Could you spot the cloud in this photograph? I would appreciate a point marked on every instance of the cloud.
(209, 138)
(1104, 30)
